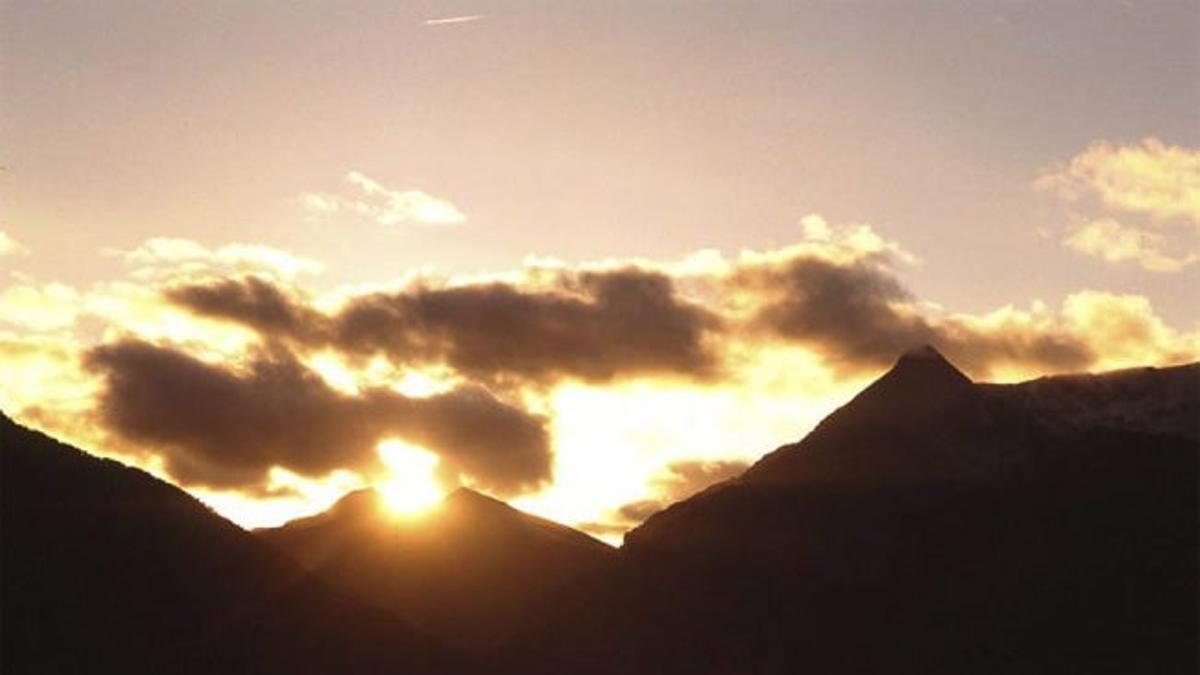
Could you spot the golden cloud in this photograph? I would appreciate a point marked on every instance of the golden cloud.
(224, 427)
(374, 201)
(1151, 179)
(1162, 181)
(10, 246)
(40, 308)
(1109, 240)
(161, 258)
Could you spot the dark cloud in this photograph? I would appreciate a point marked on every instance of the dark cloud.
(636, 512)
(848, 312)
(859, 316)
(226, 428)
(254, 302)
(599, 326)
(679, 481)
(595, 326)
(979, 350)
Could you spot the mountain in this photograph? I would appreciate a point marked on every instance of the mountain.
(106, 569)
(469, 572)
(930, 525)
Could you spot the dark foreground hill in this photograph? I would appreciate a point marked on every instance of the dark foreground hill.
(469, 572)
(107, 570)
(931, 525)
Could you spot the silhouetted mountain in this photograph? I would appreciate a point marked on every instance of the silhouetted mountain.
(469, 571)
(106, 569)
(931, 525)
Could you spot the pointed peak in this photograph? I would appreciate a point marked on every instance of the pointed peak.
(920, 377)
(466, 497)
(466, 493)
(356, 502)
(923, 352)
(926, 363)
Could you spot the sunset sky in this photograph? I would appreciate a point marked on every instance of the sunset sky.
(588, 257)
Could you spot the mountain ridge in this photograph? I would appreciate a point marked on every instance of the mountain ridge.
(930, 525)
(107, 569)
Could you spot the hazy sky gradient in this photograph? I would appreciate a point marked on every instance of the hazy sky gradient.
(587, 130)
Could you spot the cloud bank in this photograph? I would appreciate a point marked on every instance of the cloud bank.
(220, 427)
(224, 370)
(592, 325)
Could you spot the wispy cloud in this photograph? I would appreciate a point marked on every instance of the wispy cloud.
(384, 205)
(1158, 182)
(10, 246)
(1109, 240)
(449, 20)
(162, 257)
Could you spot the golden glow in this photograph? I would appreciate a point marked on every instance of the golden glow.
(411, 487)
(334, 371)
(351, 380)
(423, 383)
(290, 496)
(612, 440)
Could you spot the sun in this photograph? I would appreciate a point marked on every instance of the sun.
(411, 488)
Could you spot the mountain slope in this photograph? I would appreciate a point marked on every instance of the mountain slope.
(469, 572)
(931, 525)
(106, 569)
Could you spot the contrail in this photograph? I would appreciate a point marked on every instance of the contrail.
(453, 19)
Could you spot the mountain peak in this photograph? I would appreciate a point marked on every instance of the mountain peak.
(925, 351)
(467, 494)
(366, 500)
(922, 381)
(925, 365)
(468, 500)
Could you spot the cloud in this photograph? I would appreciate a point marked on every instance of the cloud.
(835, 294)
(374, 201)
(220, 427)
(858, 316)
(1109, 240)
(1123, 330)
(40, 308)
(1152, 178)
(10, 246)
(162, 257)
(266, 307)
(591, 325)
(42, 372)
(679, 481)
(1158, 182)
(449, 20)
(855, 313)
(227, 378)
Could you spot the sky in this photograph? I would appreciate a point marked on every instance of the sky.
(585, 256)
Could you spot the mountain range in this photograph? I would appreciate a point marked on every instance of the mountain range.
(930, 525)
